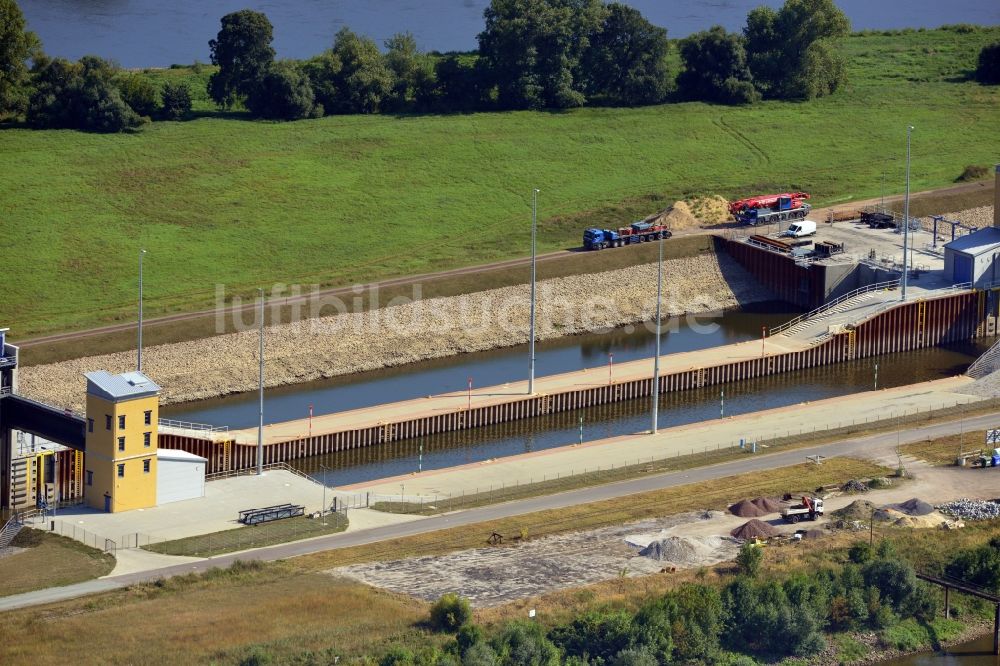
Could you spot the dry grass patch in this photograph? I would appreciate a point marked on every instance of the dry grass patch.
(944, 450)
(715, 494)
(216, 618)
(50, 560)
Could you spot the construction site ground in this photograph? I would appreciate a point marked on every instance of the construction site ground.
(494, 575)
(528, 468)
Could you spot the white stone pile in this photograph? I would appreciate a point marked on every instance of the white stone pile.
(972, 509)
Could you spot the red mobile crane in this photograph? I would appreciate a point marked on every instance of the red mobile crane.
(765, 208)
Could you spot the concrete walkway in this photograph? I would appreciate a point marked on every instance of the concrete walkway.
(135, 560)
(529, 468)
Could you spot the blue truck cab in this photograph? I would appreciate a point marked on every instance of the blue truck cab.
(598, 239)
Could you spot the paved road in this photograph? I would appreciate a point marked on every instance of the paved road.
(874, 446)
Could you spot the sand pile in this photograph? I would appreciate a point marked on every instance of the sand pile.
(922, 521)
(710, 210)
(856, 510)
(686, 551)
(747, 509)
(754, 529)
(914, 507)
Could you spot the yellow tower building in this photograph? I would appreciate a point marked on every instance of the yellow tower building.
(122, 413)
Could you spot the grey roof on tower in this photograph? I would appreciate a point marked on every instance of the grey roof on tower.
(126, 386)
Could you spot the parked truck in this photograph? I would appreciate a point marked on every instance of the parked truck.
(637, 232)
(809, 509)
(768, 208)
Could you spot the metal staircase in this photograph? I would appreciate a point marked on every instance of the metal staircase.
(987, 363)
(13, 527)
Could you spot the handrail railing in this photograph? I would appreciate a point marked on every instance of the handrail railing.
(890, 284)
(6, 390)
(979, 367)
(248, 471)
(187, 425)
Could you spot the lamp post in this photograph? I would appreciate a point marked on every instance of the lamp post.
(260, 391)
(656, 352)
(139, 358)
(906, 212)
(324, 469)
(531, 340)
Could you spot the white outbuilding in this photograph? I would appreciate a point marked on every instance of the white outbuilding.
(180, 475)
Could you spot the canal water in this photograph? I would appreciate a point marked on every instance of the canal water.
(554, 430)
(144, 33)
(978, 652)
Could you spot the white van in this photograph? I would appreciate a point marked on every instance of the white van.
(800, 229)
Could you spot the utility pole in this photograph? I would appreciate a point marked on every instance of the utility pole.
(322, 512)
(139, 359)
(656, 353)
(876, 376)
(260, 389)
(906, 211)
(531, 341)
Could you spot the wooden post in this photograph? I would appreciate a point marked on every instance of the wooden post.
(947, 608)
(996, 631)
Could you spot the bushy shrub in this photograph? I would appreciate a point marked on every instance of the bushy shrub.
(988, 69)
(749, 559)
(176, 98)
(861, 552)
(450, 612)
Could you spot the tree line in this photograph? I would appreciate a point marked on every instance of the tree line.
(748, 619)
(533, 54)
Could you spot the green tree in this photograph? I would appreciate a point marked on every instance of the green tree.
(138, 92)
(524, 644)
(749, 559)
(458, 84)
(988, 68)
(413, 72)
(283, 93)
(792, 52)
(596, 636)
(324, 72)
(480, 654)
(715, 68)
(243, 52)
(450, 612)
(79, 95)
(363, 82)
(635, 657)
(176, 98)
(531, 50)
(979, 566)
(17, 46)
(626, 62)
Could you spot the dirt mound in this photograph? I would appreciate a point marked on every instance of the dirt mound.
(710, 210)
(671, 549)
(768, 504)
(812, 534)
(747, 509)
(677, 218)
(887, 515)
(856, 510)
(915, 507)
(754, 528)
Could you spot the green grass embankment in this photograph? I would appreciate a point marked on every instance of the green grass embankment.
(221, 200)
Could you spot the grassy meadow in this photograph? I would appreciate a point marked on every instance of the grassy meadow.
(338, 200)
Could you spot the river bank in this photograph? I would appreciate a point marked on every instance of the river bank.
(409, 331)
(971, 632)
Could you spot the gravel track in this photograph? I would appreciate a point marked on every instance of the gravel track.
(405, 333)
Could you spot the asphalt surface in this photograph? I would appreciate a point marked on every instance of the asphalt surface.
(879, 445)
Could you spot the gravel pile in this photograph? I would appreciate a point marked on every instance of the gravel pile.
(747, 509)
(985, 387)
(973, 217)
(855, 486)
(972, 509)
(856, 510)
(753, 529)
(915, 507)
(348, 343)
(671, 549)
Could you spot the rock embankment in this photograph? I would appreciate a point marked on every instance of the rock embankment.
(405, 333)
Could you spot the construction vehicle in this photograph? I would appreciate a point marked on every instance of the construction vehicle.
(768, 208)
(637, 232)
(810, 508)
